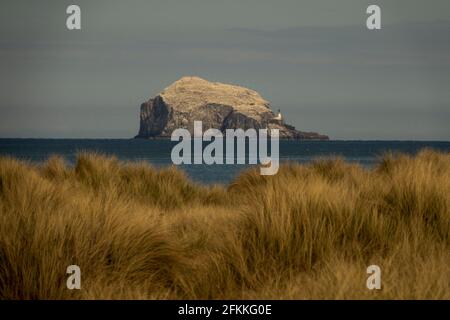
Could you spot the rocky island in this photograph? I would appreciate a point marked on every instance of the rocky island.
(217, 105)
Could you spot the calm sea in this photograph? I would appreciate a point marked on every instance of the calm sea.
(157, 152)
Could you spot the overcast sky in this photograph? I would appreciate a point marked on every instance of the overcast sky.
(314, 59)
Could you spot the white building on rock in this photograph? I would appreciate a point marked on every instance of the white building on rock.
(279, 117)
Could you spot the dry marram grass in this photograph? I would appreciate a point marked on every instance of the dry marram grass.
(308, 232)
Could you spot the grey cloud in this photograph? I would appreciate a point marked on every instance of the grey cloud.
(314, 59)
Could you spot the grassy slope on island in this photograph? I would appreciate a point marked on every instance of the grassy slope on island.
(308, 232)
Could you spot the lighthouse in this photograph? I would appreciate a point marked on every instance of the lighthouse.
(279, 117)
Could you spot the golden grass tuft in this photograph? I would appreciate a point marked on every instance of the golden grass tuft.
(308, 232)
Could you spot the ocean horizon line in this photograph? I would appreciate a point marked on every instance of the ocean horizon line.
(281, 139)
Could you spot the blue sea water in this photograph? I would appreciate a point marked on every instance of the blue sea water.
(157, 152)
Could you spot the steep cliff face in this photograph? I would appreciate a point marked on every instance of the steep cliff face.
(217, 105)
